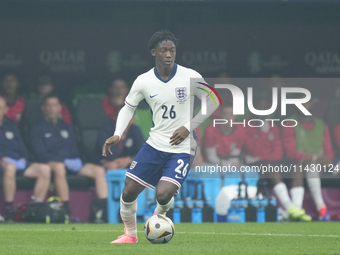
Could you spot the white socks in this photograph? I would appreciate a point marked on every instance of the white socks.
(297, 194)
(281, 192)
(128, 213)
(163, 209)
(314, 185)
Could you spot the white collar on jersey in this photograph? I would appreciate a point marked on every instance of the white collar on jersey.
(171, 76)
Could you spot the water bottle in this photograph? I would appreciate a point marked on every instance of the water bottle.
(178, 205)
(242, 200)
(186, 212)
(263, 202)
(197, 211)
(234, 213)
(272, 213)
(251, 210)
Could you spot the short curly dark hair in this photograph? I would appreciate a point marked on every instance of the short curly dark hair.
(160, 36)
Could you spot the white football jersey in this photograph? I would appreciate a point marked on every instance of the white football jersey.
(170, 102)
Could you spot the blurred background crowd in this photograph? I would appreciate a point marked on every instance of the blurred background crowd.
(67, 67)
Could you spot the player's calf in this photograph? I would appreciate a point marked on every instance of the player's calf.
(131, 190)
(163, 209)
(165, 196)
(165, 192)
(128, 214)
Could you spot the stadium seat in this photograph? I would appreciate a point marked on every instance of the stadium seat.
(82, 193)
(25, 183)
(90, 116)
(80, 96)
(32, 112)
(212, 187)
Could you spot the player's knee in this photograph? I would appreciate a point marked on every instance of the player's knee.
(129, 195)
(163, 197)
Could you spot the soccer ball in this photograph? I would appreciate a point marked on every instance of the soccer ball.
(159, 229)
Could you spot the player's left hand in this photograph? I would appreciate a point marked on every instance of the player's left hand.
(108, 143)
(179, 136)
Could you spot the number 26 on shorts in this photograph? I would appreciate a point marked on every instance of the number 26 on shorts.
(179, 169)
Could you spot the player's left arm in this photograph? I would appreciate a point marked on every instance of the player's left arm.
(181, 133)
(212, 104)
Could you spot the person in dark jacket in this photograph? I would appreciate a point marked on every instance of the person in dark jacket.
(124, 152)
(13, 161)
(54, 143)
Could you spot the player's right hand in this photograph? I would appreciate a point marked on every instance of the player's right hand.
(108, 143)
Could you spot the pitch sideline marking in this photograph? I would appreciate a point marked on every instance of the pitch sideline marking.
(177, 232)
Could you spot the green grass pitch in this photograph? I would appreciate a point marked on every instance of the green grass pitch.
(221, 238)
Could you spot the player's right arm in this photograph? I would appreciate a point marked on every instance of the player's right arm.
(125, 115)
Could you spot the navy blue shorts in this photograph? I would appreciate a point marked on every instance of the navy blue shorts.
(151, 165)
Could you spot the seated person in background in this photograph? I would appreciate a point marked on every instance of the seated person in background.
(223, 144)
(33, 112)
(263, 143)
(263, 146)
(9, 91)
(115, 99)
(13, 161)
(122, 153)
(309, 143)
(224, 140)
(54, 143)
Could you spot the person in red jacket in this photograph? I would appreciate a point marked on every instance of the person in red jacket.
(263, 143)
(263, 147)
(223, 143)
(114, 101)
(306, 144)
(9, 90)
